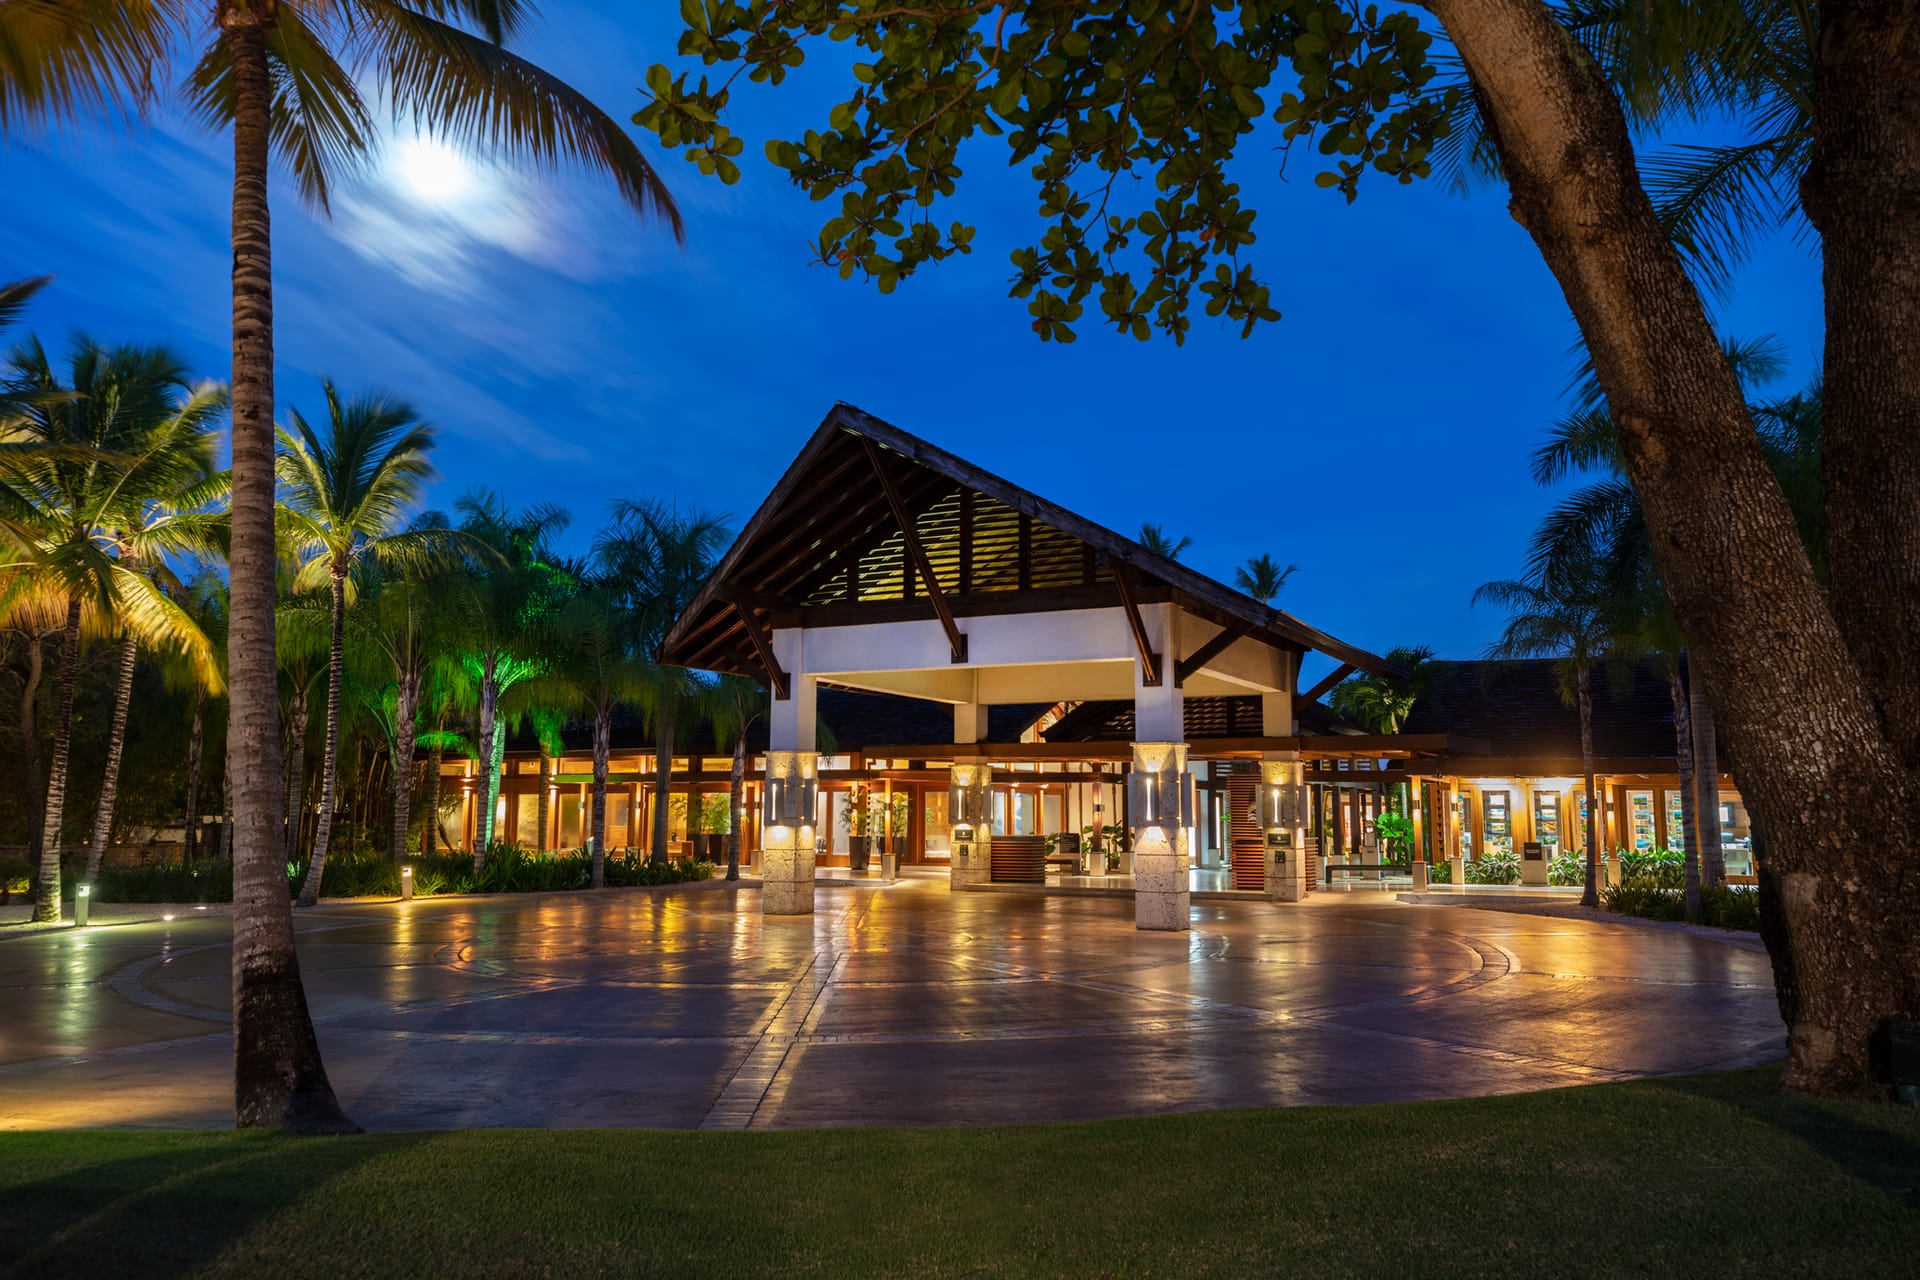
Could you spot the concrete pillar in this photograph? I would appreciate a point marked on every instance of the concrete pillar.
(970, 860)
(1161, 896)
(1287, 869)
(787, 848)
(969, 722)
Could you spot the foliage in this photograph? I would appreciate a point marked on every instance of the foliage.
(1569, 868)
(1263, 578)
(1126, 114)
(1381, 704)
(1396, 836)
(1727, 906)
(1660, 868)
(1494, 868)
(1440, 872)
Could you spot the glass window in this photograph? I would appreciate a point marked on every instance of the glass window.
(1640, 805)
(1546, 821)
(935, 826)
(1499, 821)
(570, 808)
(527, 829)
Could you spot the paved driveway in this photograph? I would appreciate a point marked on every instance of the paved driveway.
(905, 1004)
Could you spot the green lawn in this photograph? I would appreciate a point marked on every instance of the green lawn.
(1703, 1177)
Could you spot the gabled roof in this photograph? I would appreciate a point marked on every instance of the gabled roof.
(826, 538)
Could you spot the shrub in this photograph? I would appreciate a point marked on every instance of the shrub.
(1731, 906)
(203, 881)
(1494, 869)
(1653, 868)
(1639, 898)
(1727, 907)
(1440, 873)
(1567, 868)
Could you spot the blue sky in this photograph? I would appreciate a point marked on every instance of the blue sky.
(1377, 435)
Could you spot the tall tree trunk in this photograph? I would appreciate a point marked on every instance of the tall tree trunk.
(430, 838)
(1825, 781)
(736, 818)
(1706, 786)
(1862, 192)
(29, 728)
(46, 903)
(1590, 895)
(1683, 763)
(279, 1080)
(489, 714)
(116, 746)
(330, 751)
(296, 770)
(544, 802)
(602, 748)
(406, 711)
(662, 784)
(225, 839)
(196, 747)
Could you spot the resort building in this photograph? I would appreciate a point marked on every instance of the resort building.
(964, 676)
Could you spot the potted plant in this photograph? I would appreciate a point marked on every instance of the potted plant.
(857, 821)
(715, 823)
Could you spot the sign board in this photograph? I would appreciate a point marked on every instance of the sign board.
(1531, 851)
(1279, 839)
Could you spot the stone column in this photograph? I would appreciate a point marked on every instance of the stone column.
(1161, 897)
(1287, 869)
(970, 843)
(787, 846)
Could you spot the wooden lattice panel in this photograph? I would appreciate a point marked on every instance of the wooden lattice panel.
(1019, 860)
(1246, 841)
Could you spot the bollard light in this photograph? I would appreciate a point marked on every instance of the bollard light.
(406, 883)
(82, 904)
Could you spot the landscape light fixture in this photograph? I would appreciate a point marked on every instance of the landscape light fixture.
(1162, 797)
(82, 905)
(406, 883)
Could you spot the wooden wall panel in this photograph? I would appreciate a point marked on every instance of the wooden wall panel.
(1246, 841)
(1018, 860)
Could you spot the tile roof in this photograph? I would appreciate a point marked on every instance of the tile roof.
(1516, 709)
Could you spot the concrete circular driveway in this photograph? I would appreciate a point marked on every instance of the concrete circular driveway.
(899, 1005)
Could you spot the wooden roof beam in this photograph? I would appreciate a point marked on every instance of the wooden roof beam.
(1184, 669)
(1327, 682)
(956, 640)
(1149, 660)
(776, 678)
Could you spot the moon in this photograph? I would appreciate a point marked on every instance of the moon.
(434, 174)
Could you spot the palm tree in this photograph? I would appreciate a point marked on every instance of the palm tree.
(205, 602)
(285, 75)
(660, 557)
(1381, 704)
(346, 498)
(1157, 540)
(111, 460)
(503, 605)
(595, 670)
(733, 703)
(1263, 578)
(401, 623)
(1565, 619)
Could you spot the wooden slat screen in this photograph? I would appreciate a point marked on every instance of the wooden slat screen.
(1246, 840)
(1019, 860)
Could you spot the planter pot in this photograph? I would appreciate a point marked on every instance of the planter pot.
(859, 852)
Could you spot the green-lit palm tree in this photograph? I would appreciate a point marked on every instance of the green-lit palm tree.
(1157, 540)
(1263, 578)
(1381, 704)
(1565, 618)
(733, 704)
(503, 605)
(285, 76)
(346, 500)
(594, 669)
(660, 556)
(88, 464)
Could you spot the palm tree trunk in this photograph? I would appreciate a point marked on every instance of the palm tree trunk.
(196, 745)
(296, 770)
(46, 903)
(279, 1080)
(30, 743)
(602, 748)
(489, 712)
(736, 785)
(430, 838)
(1706, 783)
(116, 746)
(545, 799)
(330, 751)
(662, 785)
(406, 710)
(1683, 765)
(1589, 896)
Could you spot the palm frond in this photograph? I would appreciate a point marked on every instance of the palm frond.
(61, 60)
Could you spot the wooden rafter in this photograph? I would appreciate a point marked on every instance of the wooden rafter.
(956, 641)
(1327, 682)
(1184, 669)
(1149, 660)
(777, 678)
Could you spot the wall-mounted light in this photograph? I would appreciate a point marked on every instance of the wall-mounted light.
(1161, 797)
(1279, 804)
(970, 796)
(790, 800)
